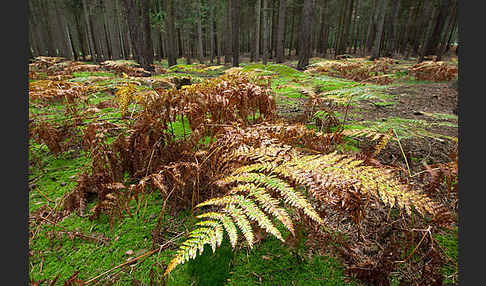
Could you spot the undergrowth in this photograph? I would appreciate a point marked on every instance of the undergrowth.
(131, 175)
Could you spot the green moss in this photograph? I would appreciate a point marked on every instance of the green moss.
(272, 263)
(212, 269)
(86, 74)
(449, 241)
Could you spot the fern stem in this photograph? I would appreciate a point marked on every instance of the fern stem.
(403, 153)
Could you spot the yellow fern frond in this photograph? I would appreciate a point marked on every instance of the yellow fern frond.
(125, 95)
(242, 222)
(267, 202)
(227, 223)
(383, 142)
(289, 194)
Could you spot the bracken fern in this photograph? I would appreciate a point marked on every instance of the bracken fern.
(268, 185)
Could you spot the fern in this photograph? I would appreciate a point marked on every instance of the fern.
(257, 190)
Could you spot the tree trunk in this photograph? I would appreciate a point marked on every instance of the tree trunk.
(406, 33)
(439, 26)
(199, 33)
(91, 44)
(257, 29)
(291, 40)
(305, 38)
(235, 19)
(392, 41)
(372, 27)
(147, 57)
(357, 24)
(375, 53)
(429, 26)
(171, 52)
(265, 32)
(347, 25)
(115, 43)
(322, 30)
(228, 34)
(448, 32)
(420, 26)
(281, 31)
(133, 19)
(273, 36)
(64, 43)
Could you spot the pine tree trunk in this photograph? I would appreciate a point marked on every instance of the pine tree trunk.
(429, 26)
(439, 26)
(281, 31)
(171, 52)
(111, 7)
(448, 32)
(291, 40)
(88, 31)
(406, 33)
(392, 41)
(357, 24)
(305, 38)
(265, 32)
(64, 42)
(235, 19)
(273, 37)
(258, 7)
(228, 34)
(375, 53)
(347, 25)
(147, 57)
(322, 30)
(199, 33)
(372, 27)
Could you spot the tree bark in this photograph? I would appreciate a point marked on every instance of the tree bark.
(265, 32)
(199, 33)
(375, 53)
(228, 34)
(258, 7)
(147, 58)
(281, 31)
(372, 27)
(171, 53)
(448, 32)
(91, 44)
(235, 19)
(439, 26)
(392, 41)
(429, 26)
(305, 39)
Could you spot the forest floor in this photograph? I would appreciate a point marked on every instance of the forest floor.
(97, 250)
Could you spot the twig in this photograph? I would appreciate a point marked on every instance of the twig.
(49, 200)
(133, 259)
(416, 247)
(76, 233)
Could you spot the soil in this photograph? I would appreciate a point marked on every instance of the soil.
(412, 101)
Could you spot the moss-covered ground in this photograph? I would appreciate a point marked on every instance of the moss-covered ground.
(54, 253)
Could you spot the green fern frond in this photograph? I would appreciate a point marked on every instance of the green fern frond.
(289, 194)
(267, 202)
(242, 222)
(227, 223)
